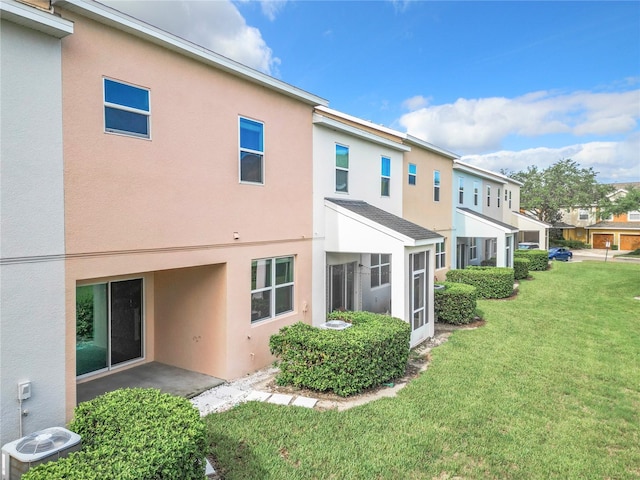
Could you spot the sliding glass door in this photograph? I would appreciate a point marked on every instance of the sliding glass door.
(109, 329)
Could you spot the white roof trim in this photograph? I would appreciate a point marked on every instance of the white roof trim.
(365, 123)
(487, 222)
(429, 146)
(125, 23)
(323, 121)
(32, 17)
(531, 219)
(498, 177)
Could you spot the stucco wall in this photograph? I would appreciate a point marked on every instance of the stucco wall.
(32, 230)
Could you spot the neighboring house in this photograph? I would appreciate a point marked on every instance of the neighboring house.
(584, 224)
(32, 266)
(427, 200)
(480, 230)
(366, 256)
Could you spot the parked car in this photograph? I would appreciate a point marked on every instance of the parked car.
(528, 246)
(560, 253)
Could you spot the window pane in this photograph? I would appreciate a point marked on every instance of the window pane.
(260, 274)
(386, 167)
(123, 121)
(342, 156)
(284, 299)
(375, 259)
(436, 194)
(418, 261)
(284, 270)
(412, 169)
(384, 274)
(250, 167)
(251, 135)
(384, 187)
(126, 95)
(436, 178)
(375, 277)
(92, 328)
(385, 257)
(412, 179)
(260, 305)
(342, 181)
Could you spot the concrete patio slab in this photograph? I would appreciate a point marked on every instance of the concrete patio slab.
(257, 396)
(306, 402)
(280, 399)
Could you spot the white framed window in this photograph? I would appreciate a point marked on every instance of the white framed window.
(473, 251)
(272, 284)
(251, 151)
(476, 193)
(488, 196)
(436, 186)
(633, 216)
(441, 255)
(385, 176)
(127, 109)
(380, 269)
(460, 190)
(583, 215)
(342, 169)
(413, 173)
(498, 197)
(509, 199)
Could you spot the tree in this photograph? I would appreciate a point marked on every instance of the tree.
(562, 185)
(622, 204)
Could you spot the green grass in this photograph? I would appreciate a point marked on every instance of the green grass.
(549, 388)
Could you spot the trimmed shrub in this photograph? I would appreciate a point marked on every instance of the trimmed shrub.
(490, 282)
(572, 244)
(489, 263)
(133, 434)
(520, 267)
(455, 304)
(538, 259)
(371, 352)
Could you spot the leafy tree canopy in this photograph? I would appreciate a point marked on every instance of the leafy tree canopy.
(623, 204)
(562, 185)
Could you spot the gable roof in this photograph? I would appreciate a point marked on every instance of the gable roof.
(386, 219)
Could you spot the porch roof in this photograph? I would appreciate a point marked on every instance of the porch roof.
(381, 221)
(615, 226)
(474, 224)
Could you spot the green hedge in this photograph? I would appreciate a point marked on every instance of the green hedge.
(371, 352)
(490, 282)
(538, 259)
(572, 244)
(132, 434)
(520, 267)
(455, 304)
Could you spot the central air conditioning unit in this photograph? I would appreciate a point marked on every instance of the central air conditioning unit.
(39, 447)
(335, 325)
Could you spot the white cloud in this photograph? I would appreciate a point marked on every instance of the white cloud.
(614, 161)
(481, 125)
(271, 8)
(414, 103)
(215, 25)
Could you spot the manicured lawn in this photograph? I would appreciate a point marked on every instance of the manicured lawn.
(549, 388)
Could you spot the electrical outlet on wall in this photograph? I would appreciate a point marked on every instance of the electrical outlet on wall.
(24, 390)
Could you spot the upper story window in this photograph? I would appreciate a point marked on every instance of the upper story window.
(488, 196)
(342, 169)
(385, 176)
(633, 216)
(380, 268)
(436, 186)
(271, 287)
(460, 190)
(509, 199)
(583, 215)
(441, 255)
(498, 197)
(126, 109)
(251, 151)
(413, 173)
(476, 193)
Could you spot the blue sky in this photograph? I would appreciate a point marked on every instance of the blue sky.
(504, 84)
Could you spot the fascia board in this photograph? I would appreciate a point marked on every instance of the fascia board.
(532, 220)
(487, 222)
(481, 172)
(323, 121)
(362, 122)
(35, 19)
(428, 146)
(120, 21)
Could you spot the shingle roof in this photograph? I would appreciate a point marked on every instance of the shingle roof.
(386, 219)
(487, 218)
(617, 225)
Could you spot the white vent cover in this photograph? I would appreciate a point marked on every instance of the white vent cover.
(335, 325)
(41, 444)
